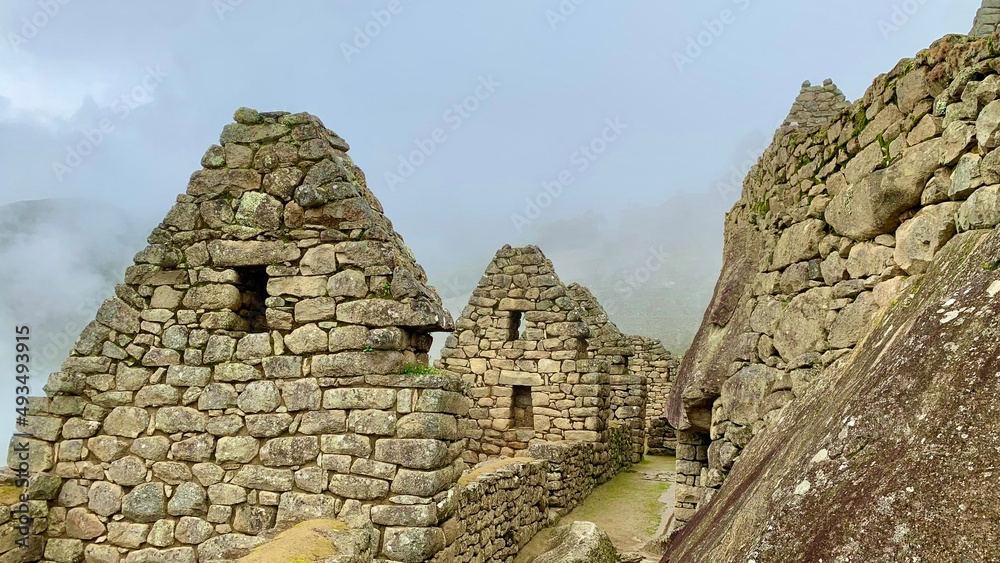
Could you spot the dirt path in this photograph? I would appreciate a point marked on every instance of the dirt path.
(633, 508)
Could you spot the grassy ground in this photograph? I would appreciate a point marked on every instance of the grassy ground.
(630, 509)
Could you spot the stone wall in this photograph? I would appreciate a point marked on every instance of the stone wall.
(245, 375)
(837, 220)
(987, 19)
(815, 105)
(497, 512)
(628, 389)
(628, 410)
(659, 367)
(522, 347)
(692, 486)
(503, 503)
(575, 468)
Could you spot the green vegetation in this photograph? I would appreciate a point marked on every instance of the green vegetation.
(368, 349)
(385, 292)
(886, 159)
(860, 119)
(762, 207)
(991, 266)
(419, 369)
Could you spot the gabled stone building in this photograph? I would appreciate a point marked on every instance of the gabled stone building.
(521, 346)
(246, 374)
(543, 362)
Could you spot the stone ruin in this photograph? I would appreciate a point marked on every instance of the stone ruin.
(265, 363)
(815, 105)
(987, 19)
(659, 367)
(848, 358)
(544, 363)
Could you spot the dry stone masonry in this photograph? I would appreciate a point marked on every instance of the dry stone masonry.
(258, 368)
(987, 19)
(841, 219)
(628, 389)
(815, 105)
(522, 347)
(652, 360)
(246, 374)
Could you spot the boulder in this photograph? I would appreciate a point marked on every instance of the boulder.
(579, 542)
(872, 206)
(918, 239)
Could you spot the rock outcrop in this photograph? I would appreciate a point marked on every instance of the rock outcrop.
(580, 542)
(835, 404)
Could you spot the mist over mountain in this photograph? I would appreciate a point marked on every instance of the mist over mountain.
(62, 258)
(652, 268)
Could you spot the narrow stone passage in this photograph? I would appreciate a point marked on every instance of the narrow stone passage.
(634, 508)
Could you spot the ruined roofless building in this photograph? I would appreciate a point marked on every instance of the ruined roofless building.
(542, 361)
(246, 373)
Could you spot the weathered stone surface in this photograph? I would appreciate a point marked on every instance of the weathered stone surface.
(217, 396)
(296, 507)
(798, 243)
(357, 487)
(228, 546)
(981, 210)
(118, 315)
(301, 395)
(580, 542)
(743, 394)
(128, 422)
(988, 126)
(297, 450)
(872, 206)
(213, 296)
(323, 422)
(359, 398)
(869, 259)
(251, 253)
(64, 550)
(146, 503)
(107, 448)
(242, 449)
(427, 425)
(412, 545)
(127, 471)
(853, 322)
(787, 484)
(802, 327)
(264, 478)
(83, 524)
(319, 260)
(268, 425)
(347, 283)
(372, 422)
(192, 530)
(180, 419)
(966, 177)
(413, 453)
(188, 500)
(385, 312)
(259, 396)
(349, 444)
(421, 483)
(307, 339)
(919, 239)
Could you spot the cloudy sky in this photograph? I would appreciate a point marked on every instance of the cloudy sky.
(464, 115)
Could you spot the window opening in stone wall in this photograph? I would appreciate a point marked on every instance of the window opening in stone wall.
(253, 293)
(515, 329)
(521, 407)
